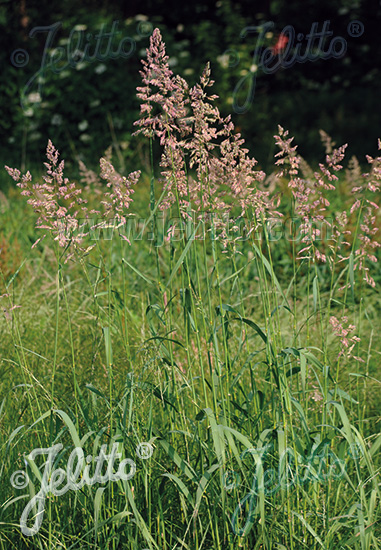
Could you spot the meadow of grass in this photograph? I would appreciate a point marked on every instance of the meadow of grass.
(242, 347)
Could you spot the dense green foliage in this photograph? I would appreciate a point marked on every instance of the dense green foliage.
(214, 327)
(225, 363)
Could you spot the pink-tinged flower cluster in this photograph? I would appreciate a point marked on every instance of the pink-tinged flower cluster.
(89, 179)
(195, 137)
(117, 200)
(311, 202)
(339, 233)
(366, 211)
(163, 109)
(54, 199)
(316, 395)
(60, 204)
(343, 332)
(369, 227)
(310, 193)
(8, 310)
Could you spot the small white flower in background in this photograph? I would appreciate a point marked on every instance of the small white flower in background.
(189, 71)
(34, 136)
(223, 60)
(82, 126)
(53, 52)
(180, 27)
(80, 27)
(254, 68)
(34, 97)
(143, 53)
(81, 65)
(85, 138)
(64, 74)
(56, 120)
(95, 103)
(78, 54)
(269, 35)
(99, 69)
(29, 112)
(172, 62)
(141, 17)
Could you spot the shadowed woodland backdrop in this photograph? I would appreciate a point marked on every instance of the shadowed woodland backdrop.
(98, 99)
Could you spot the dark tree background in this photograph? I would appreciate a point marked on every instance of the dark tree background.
(85, 107)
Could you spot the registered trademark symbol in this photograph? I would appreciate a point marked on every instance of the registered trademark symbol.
(144, 450)
(355, 28)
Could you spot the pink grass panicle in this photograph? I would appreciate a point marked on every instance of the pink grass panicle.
(163, 90)
(60, 205)
(369, 226)
(366, 212)
(54, 199)
(195, 137)
(343, 330)
(310, 193)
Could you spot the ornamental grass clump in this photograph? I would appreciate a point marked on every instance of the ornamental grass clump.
(243, 360)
